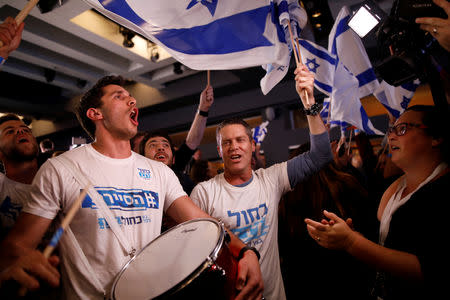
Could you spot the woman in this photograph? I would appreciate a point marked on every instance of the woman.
(411, 263)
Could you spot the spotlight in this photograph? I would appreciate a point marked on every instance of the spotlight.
(128, 35)
(366, 18)
(154, 54)
(177, 68)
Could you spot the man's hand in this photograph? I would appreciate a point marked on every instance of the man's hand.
(249, 280)
(32, 264)
(206, 99)
(10, 36)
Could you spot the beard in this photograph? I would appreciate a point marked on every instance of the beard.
(19, 154)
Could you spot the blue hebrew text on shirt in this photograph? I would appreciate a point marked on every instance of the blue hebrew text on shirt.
(124, 199)
(250, 224)
(124, 221)
(10, 209)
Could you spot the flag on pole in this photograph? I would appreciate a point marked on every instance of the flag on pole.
(396, 98)
(210, 34)
(259, 132)
(348, 48)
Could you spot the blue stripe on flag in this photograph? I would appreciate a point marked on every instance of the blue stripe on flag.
(366, 77)
(365, 121)
(341, 28)
(235, 33)
(323, 86)
(321, 54)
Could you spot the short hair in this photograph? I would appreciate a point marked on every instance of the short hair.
(233, 121)
(92, 99)
(9, 117)
(436, 121)
(137, 135)
(155, 133)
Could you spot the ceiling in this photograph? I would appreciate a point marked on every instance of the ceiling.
(64, 51)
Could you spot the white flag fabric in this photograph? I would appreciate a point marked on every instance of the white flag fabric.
(396, 98)
(208, 34)
(348, 48)
(345, 102)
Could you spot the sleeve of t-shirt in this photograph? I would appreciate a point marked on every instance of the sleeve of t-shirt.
(303, 165)
(45, 193)
(200, 198)
(182, 157)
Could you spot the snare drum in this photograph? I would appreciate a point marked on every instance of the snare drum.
(189, 261)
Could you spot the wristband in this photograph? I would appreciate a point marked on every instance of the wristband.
(244, 249)
(2, 60)
(313, 110)
(203, 113)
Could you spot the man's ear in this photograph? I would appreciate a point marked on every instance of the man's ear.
(94, 114)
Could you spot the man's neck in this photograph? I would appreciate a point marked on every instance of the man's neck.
(113, 149)
(22, 172)
(238, 178)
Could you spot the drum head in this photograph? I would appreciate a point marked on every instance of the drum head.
(168, 260)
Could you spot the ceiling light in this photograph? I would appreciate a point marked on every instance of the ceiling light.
(128, 35)
(316, 15)
(366, 18)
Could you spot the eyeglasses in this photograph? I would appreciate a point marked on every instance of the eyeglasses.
(400, 129)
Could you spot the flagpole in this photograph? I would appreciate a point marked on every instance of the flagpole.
(297, 59)
(208, 75)
(349, 141)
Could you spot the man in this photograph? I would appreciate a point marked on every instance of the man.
(158, 146)
(10, 35)
(246, 200)
(92, 251)
(18, 153)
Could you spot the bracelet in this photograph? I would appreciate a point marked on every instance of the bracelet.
(313, 110)
(244, 249)
(2, 60)
(203, 113)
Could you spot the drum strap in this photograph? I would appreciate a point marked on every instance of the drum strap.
(103, 210)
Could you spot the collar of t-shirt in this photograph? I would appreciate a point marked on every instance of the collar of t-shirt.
(245, 183)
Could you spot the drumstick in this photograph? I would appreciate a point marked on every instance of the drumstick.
(297, 57)
(58, 233)
(23, 13)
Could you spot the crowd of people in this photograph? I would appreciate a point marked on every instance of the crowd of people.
(314, 226)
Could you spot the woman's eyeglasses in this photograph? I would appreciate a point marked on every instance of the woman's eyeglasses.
(400, 129)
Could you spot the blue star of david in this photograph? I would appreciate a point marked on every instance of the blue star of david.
(211, 5)
(312, 65)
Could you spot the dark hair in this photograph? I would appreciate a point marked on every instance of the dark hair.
(199, 171)
(436, 122)
(233, 121)
(92, 99)
(9, 117)
(137, 135)
(155, 133)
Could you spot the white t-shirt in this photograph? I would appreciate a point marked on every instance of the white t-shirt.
(135, 189)
(13, 196)
(251, 213)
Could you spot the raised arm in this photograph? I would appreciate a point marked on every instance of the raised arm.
(10, 36)
(198, 126)
(320, 154)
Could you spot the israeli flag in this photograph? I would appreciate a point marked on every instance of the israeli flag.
(396, 98)
(289, 12)
(207, 34)
(259, 132)
(322, 63)
(345, 102)
(348, 48)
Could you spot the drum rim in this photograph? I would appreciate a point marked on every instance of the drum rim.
(209, 260)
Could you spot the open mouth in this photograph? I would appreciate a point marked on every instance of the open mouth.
(160, 157)
(134, 116)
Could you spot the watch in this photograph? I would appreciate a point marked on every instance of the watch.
(244, 249)
(313, 110)
(203, 113)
